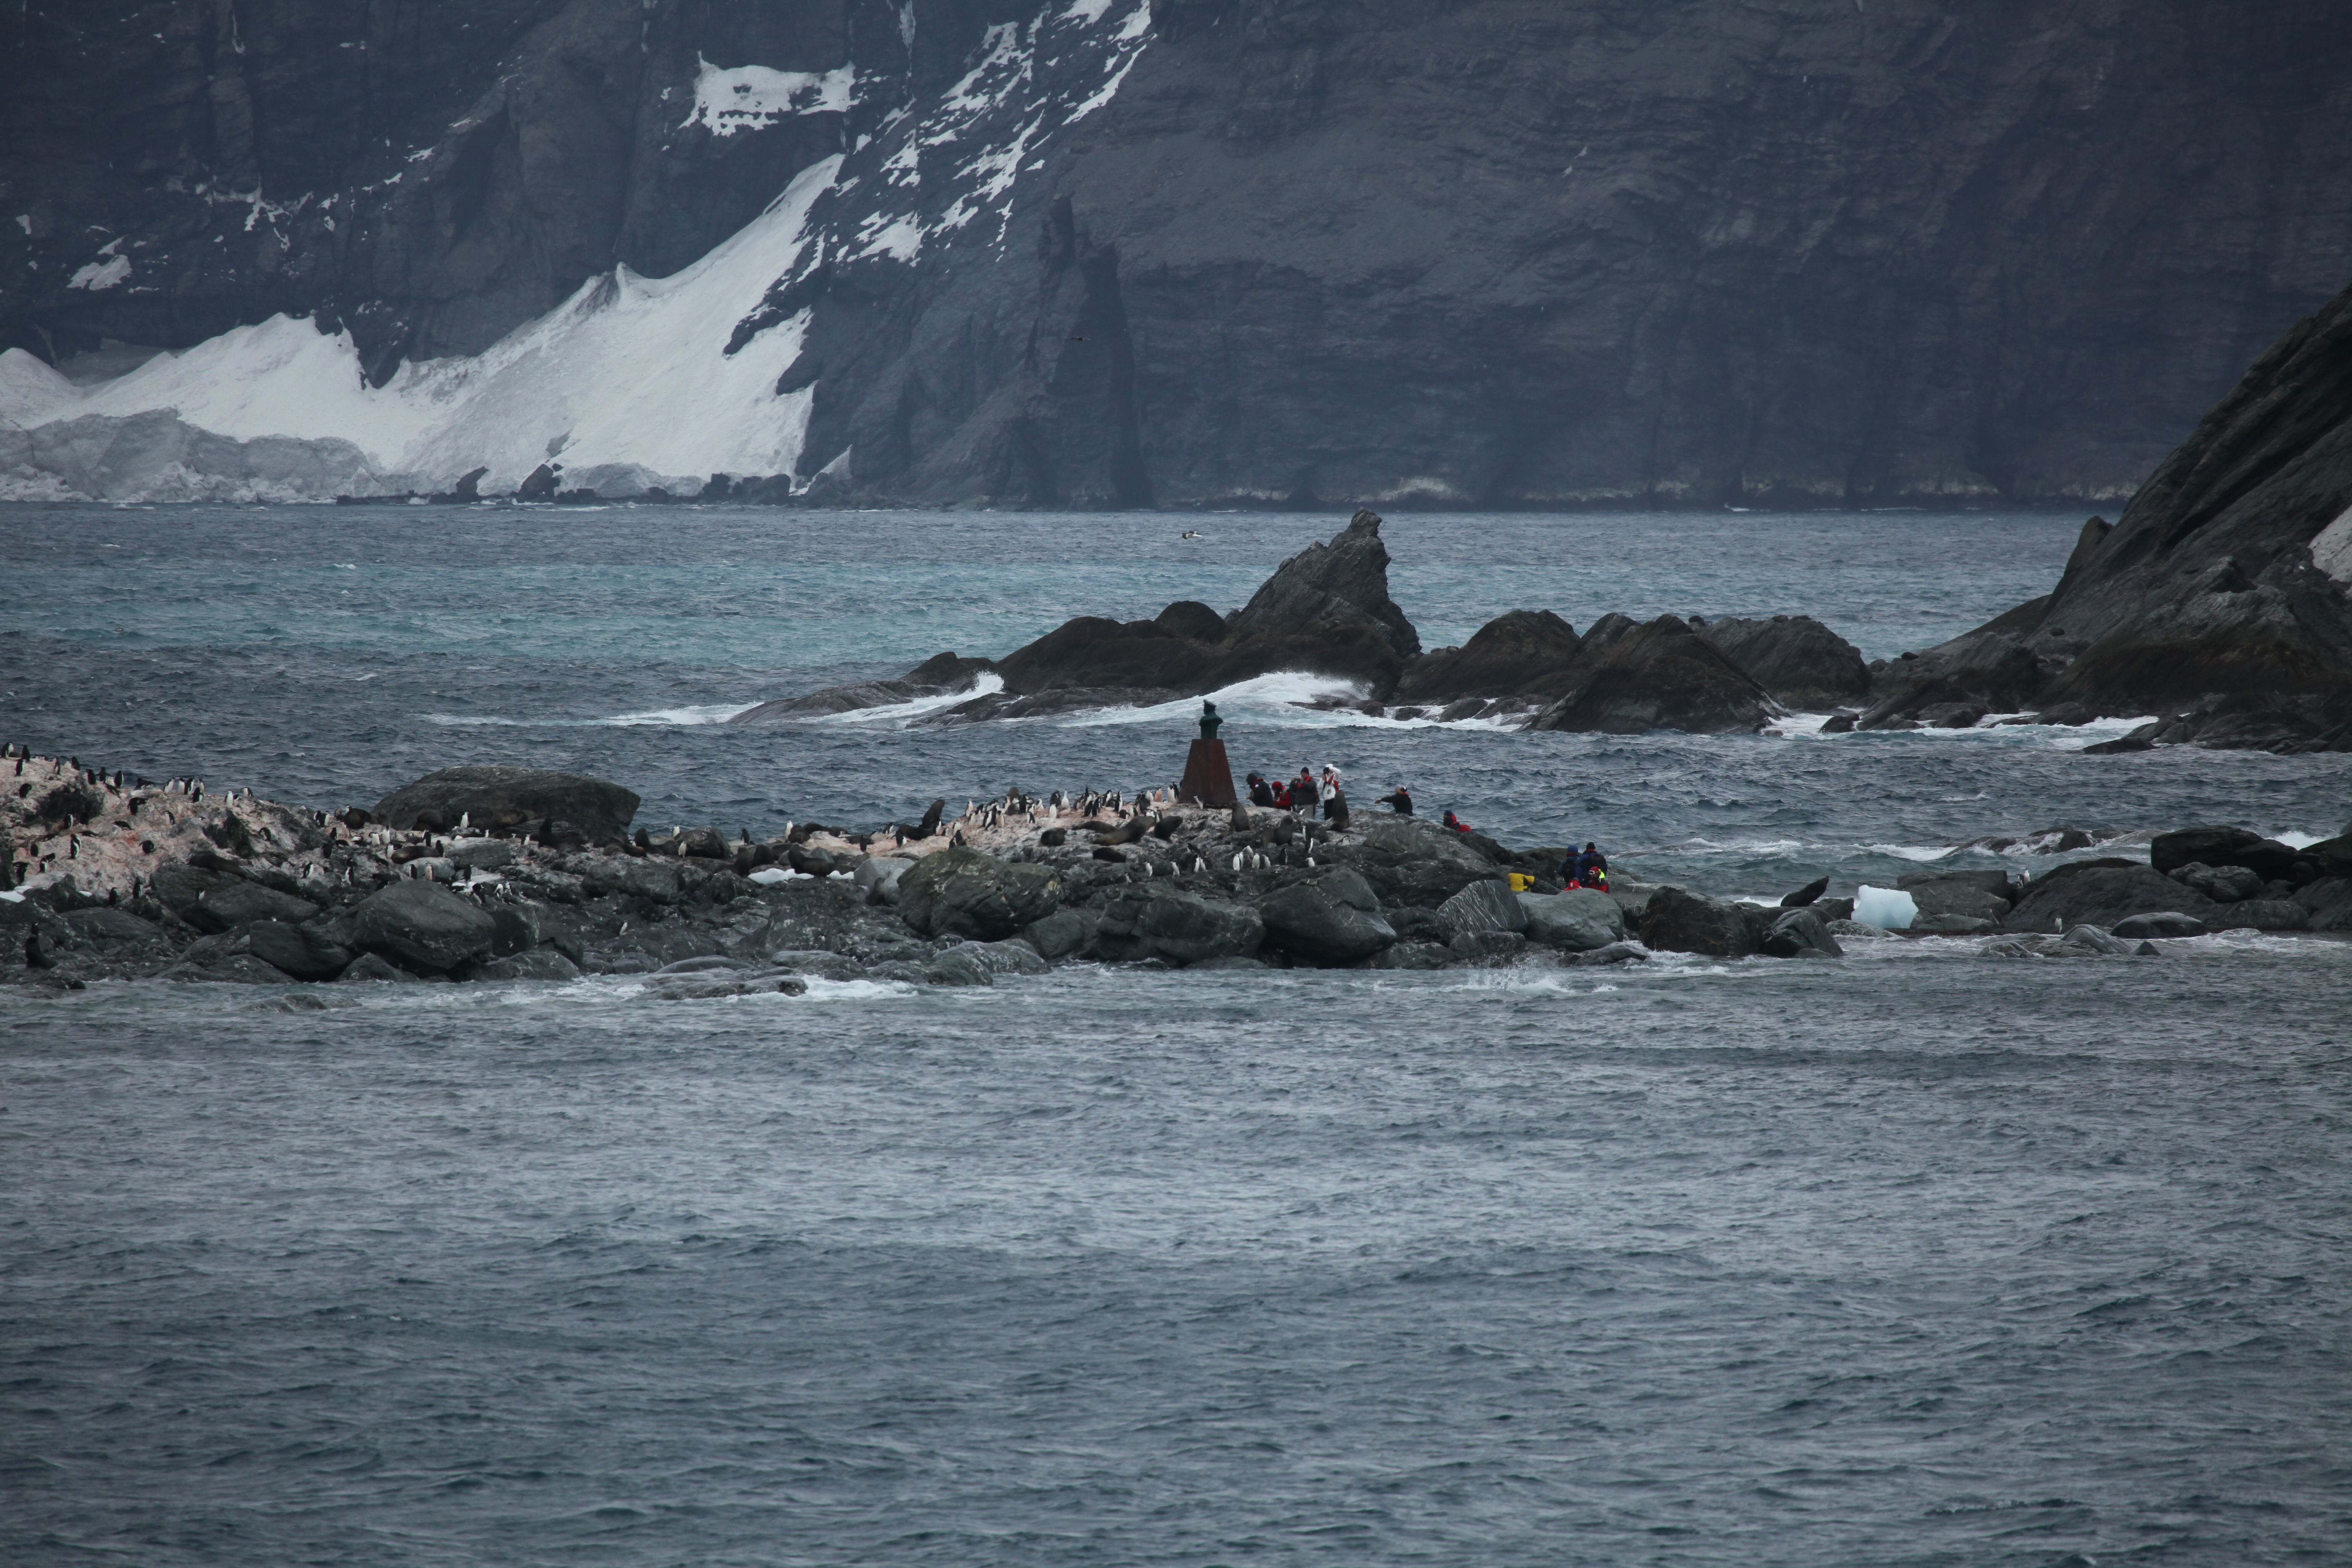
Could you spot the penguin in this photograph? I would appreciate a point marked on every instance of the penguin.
(956, 842)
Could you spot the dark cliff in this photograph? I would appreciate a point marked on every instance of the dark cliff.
(1492, 252)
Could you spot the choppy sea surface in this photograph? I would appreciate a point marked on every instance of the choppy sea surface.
(1918, 1257)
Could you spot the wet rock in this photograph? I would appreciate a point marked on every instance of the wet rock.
(2165, 923)
(1512, 654)
(232, 968)
(424, 924)
(106, 928)
(1475, 946)
(1418, 863)
(495, 795)
(1577, 921)
(1062, 933)
(1833, 909)
(1483, 906)
(1675, 921)
(2140, 739)
(540, 964)
(1798, 933)
(962, 965)
(2266, 858)
(1615, 953)
(1802, 663)
(1847, 927)
(717, 985)
(2327, 902)
(368, 966)
(1332, 916)
(1331, 585)
(1974, 895)
(482, 854)
(2096, 940)
(2262, 914)
(299, 951)
(2222, 884)
(1413, 955)
(1183, 928)
(2089, 891)
(963, 892)
(1660, 676)
(1953, 926)
(1806, 894)
(1043, 704)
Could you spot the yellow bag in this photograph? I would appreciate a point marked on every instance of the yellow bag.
(1521, 882)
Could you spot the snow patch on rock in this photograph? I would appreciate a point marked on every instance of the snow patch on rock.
(745, 98)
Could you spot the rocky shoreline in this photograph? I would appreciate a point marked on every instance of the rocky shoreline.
(508, 874)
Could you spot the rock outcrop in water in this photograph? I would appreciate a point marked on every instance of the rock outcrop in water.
(1326, 611)
(119, 880)
(2221, 601)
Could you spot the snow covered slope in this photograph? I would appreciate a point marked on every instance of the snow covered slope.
(632, 382)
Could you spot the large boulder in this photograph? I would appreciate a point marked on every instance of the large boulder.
(1578, 921)
(1483, 906)
(2266, 858)
(2101, 896)
(2222, 884)
(1676, 920)
(1332, 916)
(1416, 862)
(1973, 895)
(304, 952)
(963, 892)
(2328, 903)
(1800, 933)
(215, 902)
(1183, 928)
(1327, 586)
(1523, 652)
(1658, 676)
(424, 924)
(1799, 661)
(500, 796)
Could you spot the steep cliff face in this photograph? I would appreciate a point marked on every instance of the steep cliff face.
(1127, 252)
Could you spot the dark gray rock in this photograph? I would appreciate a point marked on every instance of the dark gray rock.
(423, 924)
(961, 965)
(1968, 894)
(1062, 933)
(540, 964)
(1413, 955)
(239, 902)
(1952, 925)
(499, 796)
(1183, 928)
(1659, 676)
(1477, 946)
(1615, 953)
(2097, 941)
(2222, 884)
(1802, 663)
(300, 951)
(2165, 923)
(963, 892)
(1329, 917)
(106, 928)
(368, 966)
(1343, 582)
(2266, 858)
(2102, 896)
(1416, 862)
(1483, 906)
(1577, 921)
(1675, 921)
(2328, 903)
(1524, 652)
(1800, 933)
(2262, 914)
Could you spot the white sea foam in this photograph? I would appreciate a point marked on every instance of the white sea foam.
(902, 713)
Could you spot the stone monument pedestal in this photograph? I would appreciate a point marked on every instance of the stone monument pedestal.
(1208, 777)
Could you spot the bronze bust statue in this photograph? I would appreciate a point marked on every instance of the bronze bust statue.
(1210, 723)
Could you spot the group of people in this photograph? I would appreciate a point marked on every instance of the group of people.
(1303, 794)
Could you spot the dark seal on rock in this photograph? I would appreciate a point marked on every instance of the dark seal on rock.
(496, 796)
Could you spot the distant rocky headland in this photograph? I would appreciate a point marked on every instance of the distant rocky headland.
(2219, 607)
(508, 874)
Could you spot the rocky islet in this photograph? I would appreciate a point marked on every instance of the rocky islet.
(120, 878)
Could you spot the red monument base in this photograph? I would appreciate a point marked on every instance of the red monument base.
(1208, 778)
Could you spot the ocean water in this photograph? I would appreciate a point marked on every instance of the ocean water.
(1918, 1257)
